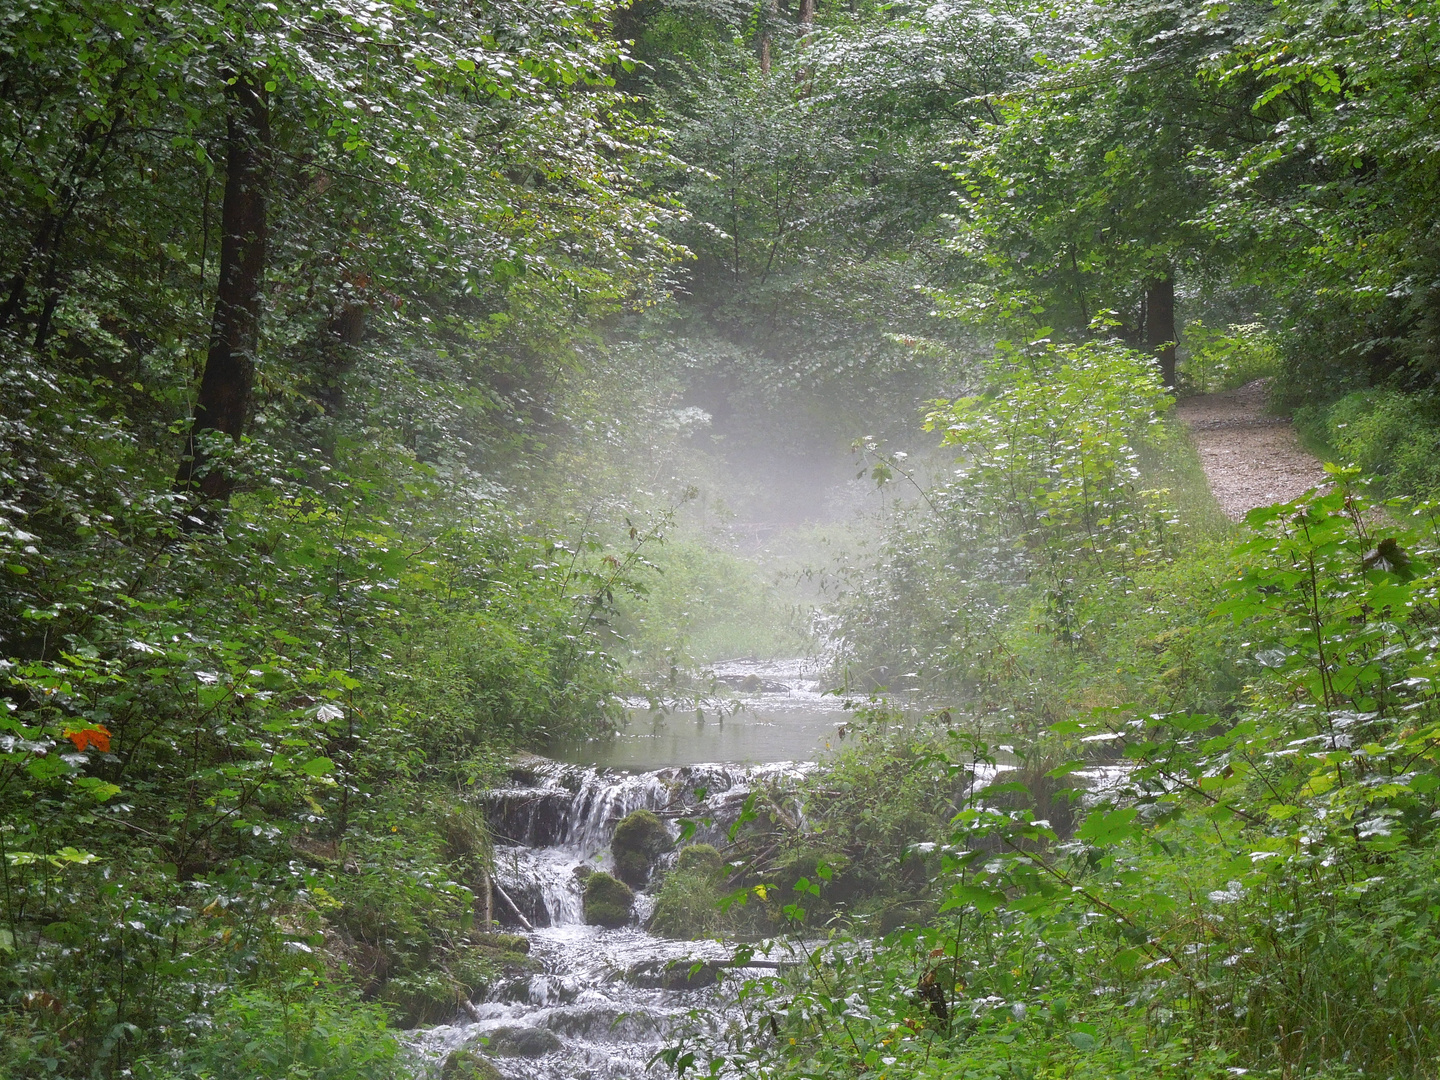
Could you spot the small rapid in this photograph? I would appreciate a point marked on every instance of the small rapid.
(596, 1003)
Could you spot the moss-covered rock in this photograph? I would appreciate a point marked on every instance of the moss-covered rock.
(503, 943)
(639, 840)
(608, 900)
(530, 1042)
(466, 1064)
(700, 859)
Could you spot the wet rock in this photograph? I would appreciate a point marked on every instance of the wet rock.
(529, 897)
(639, 840)
(583, 871)
(466, 1064)
(527, 1042)
(608, 900)
(752, 684)
(592, 1024)
(530, 816)
(675, 974)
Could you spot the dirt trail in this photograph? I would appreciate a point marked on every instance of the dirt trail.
(1250, 457)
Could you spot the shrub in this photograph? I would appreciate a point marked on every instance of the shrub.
(1217, 360)
(688, 905)
(1386, 434)
(260, 1035)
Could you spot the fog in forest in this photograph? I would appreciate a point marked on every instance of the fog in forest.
(680, 538)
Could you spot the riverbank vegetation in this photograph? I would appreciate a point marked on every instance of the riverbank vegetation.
(385, 388)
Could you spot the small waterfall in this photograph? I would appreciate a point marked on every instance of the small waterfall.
(600, 1005)
(556, 818)
(599, 1002)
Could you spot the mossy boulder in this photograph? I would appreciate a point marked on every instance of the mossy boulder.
(699, 859)
(608, 900)
(530, 1042)
(502, 942)
(466, 1064)
(639, 840)
(688, 907)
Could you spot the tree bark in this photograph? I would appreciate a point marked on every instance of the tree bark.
(772, 12)
(223, 404)
(1159, 317)
(807, 28)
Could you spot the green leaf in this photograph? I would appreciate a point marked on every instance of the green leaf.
(1109, 827)
(99, 790)
(981, 899)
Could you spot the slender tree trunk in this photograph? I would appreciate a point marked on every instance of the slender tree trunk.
(338, 340)
(1160, 333)
(807, 27)
(772, 11)
(223, 403)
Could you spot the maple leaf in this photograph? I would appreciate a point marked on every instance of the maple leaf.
(97, 736)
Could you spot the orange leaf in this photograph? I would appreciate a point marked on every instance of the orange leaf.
(97, 736)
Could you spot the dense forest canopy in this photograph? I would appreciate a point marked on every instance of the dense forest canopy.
(384, 386)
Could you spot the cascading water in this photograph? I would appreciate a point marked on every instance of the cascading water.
(601, 1004)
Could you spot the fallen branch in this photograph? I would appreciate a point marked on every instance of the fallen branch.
(515, 910)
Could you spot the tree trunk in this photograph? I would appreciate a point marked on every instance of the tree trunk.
(338, 341)
(807, 27)
(772, 11)
(1160, 333)
(223, 404)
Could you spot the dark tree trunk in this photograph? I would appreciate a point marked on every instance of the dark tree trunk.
(223, 404)
(1160, 333)
(338, 340)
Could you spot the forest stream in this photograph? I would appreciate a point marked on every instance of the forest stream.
(604, 1000)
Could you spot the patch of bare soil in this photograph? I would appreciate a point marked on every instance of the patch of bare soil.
(1250, 457)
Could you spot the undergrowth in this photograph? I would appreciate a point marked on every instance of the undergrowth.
(1181, 819)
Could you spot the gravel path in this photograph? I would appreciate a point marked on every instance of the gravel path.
(1250, 457)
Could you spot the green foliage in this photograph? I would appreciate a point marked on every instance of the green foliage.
(1060, 498)
(704, 605)
(1253, 889)
(1056, 452)
(1384, 433)
(688, 903)
(1214, 360)
(608, 900)
(314, 1036)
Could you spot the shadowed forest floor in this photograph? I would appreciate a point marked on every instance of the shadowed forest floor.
(1251, 458)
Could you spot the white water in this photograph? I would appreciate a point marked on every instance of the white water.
(597, 991)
